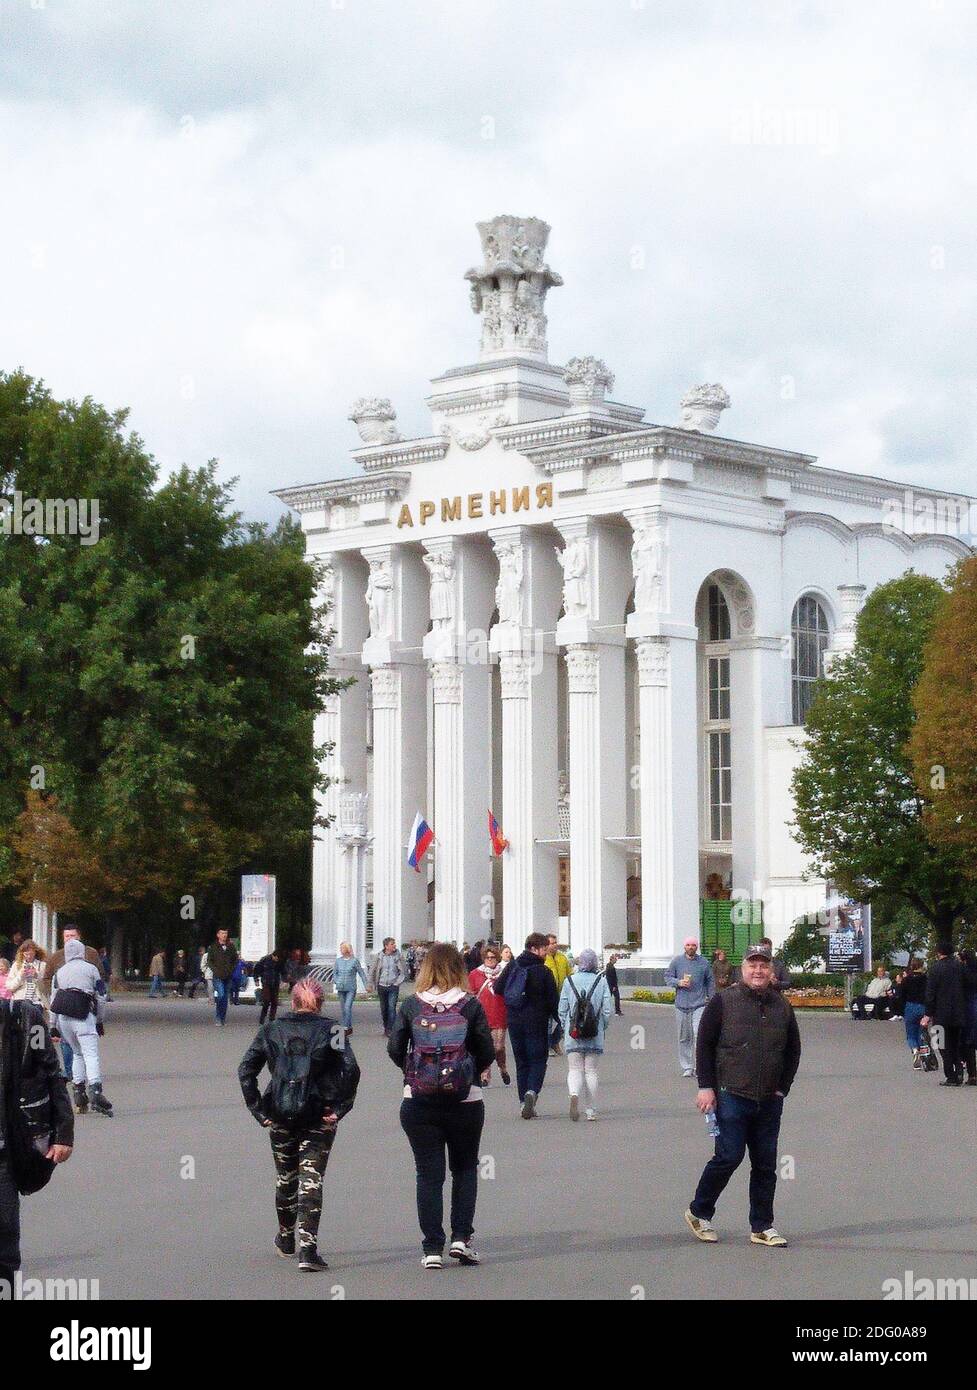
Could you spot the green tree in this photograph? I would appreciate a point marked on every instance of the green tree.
(161, 683)
(859, 815)
(944, 740)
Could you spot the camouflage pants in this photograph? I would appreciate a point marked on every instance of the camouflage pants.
(300, 1162)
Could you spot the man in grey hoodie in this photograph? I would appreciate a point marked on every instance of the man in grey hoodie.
(690, 975)
(77, 983)
(387, 973)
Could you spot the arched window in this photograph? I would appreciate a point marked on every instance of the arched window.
(809, 637)
(717, 718)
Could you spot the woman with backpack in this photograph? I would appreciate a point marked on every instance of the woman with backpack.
(480, 982)
(585, 1011)
(442, 1043)
(313, 1085)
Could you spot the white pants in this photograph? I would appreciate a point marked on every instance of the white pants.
(582, 1075)
(80, 1035)
(688, 1031)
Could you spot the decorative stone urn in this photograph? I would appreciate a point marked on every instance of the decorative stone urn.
(703, 405)
(588, 380)
(374, 417)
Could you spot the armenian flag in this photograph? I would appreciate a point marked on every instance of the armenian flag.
(421, 839)
(499, 842)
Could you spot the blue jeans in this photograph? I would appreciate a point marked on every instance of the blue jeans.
(389, 995)
(67, 1058)
(911, 1015)
(222, 991)
(743, 1124)
(156, 986)
(346, 997)
(529, 1036)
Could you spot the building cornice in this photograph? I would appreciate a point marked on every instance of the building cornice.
(313, 497)
(404, 454)
(669, 441)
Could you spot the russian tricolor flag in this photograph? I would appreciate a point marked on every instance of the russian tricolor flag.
(499, 842)
(421, 839)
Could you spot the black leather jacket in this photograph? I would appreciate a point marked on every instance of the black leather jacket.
(334, 1070)
(30, 1077)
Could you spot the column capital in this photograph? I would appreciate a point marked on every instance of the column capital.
(583, 664)
(385, 683)
(446, 682)
(514, 673)
(653, 660)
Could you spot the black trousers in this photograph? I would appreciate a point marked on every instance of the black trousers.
(9, 1223)
(882, 1008)
(431, 1129)
(951, 1052)
(269, 1008)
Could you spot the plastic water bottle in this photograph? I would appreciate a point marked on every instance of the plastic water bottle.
(712, 1124)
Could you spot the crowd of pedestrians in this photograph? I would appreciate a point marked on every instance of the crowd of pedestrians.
(736, 1033)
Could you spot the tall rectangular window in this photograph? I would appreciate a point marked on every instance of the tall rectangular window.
(720, 786)
(719, 687)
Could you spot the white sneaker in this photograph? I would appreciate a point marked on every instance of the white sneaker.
(432, 1262)
(770, 1236)
(464, 1252)
(529, 1105)
(591, 1114)
(688, 1073)
(701, 1229)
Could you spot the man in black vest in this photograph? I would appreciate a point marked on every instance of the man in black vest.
(747, 1056)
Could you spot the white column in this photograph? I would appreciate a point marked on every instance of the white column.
(354, 838)
(528, 602)
(851, 597)
(44, 927)
(341, 726)
(399, 790)
(669, 796)
(457, 649)
(592, 631)
(398, 678)
(756, 702)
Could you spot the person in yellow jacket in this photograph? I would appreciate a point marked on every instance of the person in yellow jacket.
(559, 967)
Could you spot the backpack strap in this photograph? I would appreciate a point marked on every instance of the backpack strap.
(576, 992)
(597, 980)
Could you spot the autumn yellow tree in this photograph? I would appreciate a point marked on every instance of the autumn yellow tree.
(56, 865)
(944, 737)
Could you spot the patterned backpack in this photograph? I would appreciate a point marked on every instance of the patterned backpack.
(439, 1065)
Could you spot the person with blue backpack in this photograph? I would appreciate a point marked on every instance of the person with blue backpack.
(531, 1001)
(442, 1043)
(314, 1077)
(585, 1011)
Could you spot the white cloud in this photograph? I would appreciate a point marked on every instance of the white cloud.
(237, 217)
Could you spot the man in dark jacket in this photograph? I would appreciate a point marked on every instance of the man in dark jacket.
(747, 1056)
(946, 1007)
(31, 1086)
(222, 958)
(529, 1017)
(268, 975)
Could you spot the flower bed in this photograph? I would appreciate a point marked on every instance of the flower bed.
(819, 998)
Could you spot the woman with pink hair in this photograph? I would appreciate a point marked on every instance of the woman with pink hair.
(313, 1084)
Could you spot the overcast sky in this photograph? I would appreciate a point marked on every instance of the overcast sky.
(237, 217)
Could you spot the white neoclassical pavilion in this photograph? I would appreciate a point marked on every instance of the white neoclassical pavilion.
(604, 629)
